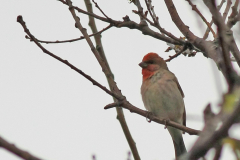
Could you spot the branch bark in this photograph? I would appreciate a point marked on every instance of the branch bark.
(120, 114)
(17, 151)
(204, 143)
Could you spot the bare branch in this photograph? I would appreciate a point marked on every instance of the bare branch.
(208, 30)
(218, 151)
(96, 5)
(235, 15)
(204, 143)
(235, 51)
(131, 25)
(112, 105)
(177, 54)
(229, 3)
(162, 30)
(179, 23)
(207, 47)
(119, 110)
(150, 10)
(194, 7)
(76, 39)
(140, 9)
(17, 151)
(225, 37)
(133, 109)
(20, 20)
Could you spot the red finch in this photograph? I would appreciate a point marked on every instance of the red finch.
(163, 96)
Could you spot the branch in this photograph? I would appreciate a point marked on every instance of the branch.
(177, 54)
(162, 30)
(225, 38)
(87, 13)
(96, 5)
(208, 30)
(119, 110)
(132, 25)
(17, 151)
(76, 39)
(20, 20)
(140, 9)
(229, 3)
(218, 151)
(232, 21)
(235, 51)
(207, 47)
(204, 143)
(235, 15)
(194, 7)
(129, 24)
(150, 10)
(133, 109)
(179, 23)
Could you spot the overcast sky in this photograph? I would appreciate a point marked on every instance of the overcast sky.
(54, 113)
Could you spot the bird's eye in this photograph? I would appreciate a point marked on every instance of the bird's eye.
(150, 62)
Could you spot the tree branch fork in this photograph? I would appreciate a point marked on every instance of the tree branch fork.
(193, 39)
(121, 99)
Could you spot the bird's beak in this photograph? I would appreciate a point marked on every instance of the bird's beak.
(143, 64)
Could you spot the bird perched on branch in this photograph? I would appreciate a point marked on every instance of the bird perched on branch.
(163, 96)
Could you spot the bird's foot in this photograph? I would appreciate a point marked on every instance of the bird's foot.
(166, 122)
(148, 117)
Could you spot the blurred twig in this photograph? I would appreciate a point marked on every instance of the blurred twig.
(208, 29)
(17, 151)
(225, 13)
(194, 7)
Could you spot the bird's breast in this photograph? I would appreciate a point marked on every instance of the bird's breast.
(162, 97)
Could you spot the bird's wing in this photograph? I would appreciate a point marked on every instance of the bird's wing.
(178, 85)
(181, 91)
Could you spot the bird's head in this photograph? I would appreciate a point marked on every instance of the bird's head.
(151, 63)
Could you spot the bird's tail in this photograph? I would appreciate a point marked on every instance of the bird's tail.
(178, 142)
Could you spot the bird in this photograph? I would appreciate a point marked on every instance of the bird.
(162, 96)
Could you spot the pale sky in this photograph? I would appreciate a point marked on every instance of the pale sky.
(54, 113)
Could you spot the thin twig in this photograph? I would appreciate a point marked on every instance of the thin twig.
(140, 8)
(208, 29)
(156, 23)
(194, 7)
(162, 30)
(232, 21)
(17, 151)
(112, 105)
(176, 55)
(96, 5)
(20, 20)
(229, 3)
(76, 39)
(131, 25)
(234, 9)
(235, 15)
(150, 10)
(179, 23)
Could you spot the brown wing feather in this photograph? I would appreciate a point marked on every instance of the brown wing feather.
(181, 91)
